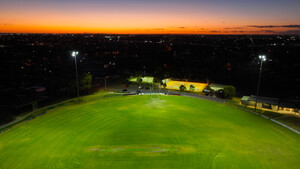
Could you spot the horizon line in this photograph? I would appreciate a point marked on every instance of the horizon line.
(145, 33)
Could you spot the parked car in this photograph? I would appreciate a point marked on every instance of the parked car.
(219, 93)
(209, 92)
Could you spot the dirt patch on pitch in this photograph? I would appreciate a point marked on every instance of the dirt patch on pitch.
(141, 149)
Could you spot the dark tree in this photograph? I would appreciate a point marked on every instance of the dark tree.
(86, 83)
(192, 88)
(229, 92)
(182, 88)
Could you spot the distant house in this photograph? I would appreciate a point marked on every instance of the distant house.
(274, 104)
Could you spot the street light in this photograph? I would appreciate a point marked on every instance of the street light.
(262, 58)
(74, 54)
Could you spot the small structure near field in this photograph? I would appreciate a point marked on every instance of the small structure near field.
(145, 79)
(175, 85)
(273, 104)
(217, 87)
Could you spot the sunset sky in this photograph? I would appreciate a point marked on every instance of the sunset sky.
(150, 17)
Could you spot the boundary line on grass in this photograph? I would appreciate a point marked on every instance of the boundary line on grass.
(275, 121)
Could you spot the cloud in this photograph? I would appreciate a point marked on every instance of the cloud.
(238, 31)
(198, 27)
(274, 26)
(235, 28)
(291, 32)
(254, 32)
(158, 29)
(5, 24)
(197, 31)
(269, 31)
(179, 27)
(215, 31)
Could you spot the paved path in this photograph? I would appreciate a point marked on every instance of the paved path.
(16, 120)
(275, 121)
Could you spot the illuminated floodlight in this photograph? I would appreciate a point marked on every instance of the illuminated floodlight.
(262, 57)
(74, 53)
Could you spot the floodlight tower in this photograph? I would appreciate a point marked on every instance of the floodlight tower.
(74, 54)
(262, 58)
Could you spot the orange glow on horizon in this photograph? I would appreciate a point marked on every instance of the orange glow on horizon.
(122, 21)
(112, 30)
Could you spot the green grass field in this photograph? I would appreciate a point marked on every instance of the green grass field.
(149, 132)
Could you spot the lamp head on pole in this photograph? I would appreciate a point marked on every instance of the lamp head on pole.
(262, 57)
(74, 53)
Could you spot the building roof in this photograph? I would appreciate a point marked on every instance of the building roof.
(245, 98)
(268, 100)
(216, 86)
(291, 103)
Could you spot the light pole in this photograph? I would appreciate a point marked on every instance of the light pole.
(105, 83)
(74, 54)
(262, 58)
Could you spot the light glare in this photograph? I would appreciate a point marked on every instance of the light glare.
(74, 53)
(262, 57)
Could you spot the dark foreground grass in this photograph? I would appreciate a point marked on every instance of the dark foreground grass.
(149, 132)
